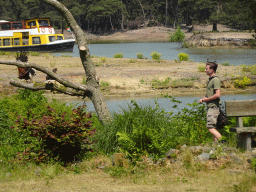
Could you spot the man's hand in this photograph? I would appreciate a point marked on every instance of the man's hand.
(203, 100)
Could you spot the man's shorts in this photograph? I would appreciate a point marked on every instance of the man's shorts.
(212, 116)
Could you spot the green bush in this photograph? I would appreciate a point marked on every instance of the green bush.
(58, 136)
(249, 68)
(156, 56)
(32, 108)
(178, 36)
(242, 82)
(103, 59)
(201, 68)
(118, 55)
(183, 57)
(140, 55)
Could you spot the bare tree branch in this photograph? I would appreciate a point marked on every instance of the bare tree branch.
(26, 86)
(51, 88)
(47, 71)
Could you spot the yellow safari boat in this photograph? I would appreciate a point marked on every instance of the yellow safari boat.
(32, 35)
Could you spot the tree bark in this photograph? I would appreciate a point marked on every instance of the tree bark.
(96, 95)
(214, 27)
(166, 13)
(142, 11)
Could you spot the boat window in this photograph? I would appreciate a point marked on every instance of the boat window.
(32, 24)
(36, 40)
(6, 42)
(59, 37)
(43, 23)
(17, 25)
(6, 26)
(52, 38)
(16, 41)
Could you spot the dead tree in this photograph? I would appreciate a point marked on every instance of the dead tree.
(91, 89)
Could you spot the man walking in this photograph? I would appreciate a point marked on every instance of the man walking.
(212, 99)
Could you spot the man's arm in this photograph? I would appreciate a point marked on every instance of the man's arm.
(214, 97)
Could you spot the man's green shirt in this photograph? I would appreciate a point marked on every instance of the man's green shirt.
(213, 84)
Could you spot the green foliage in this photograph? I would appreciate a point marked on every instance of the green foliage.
(201, 68)
(249, 68)
(242, 82)
(5, 53)
(34, 53)
(84, 81)
(225, 63)
(174, 83)
(31, 110)
(103, 59)
(104, 84)
(178, 36)
(118, 55)
(159, 83)
(132, 60)
(156, 56)
(61, 136)
(140, 55)
(183, 57)
(148, 131)
(253, 163)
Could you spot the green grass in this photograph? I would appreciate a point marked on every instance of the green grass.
(249, 68)
(132, 60)
(104, 84)
(118, 55)
(6, 53)
(34, 53)
(201, 68)
(174, 83)
(225, 64)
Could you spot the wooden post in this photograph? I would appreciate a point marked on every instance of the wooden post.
(240, 109)
(245, 138)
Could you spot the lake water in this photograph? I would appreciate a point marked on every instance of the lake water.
(170, 51)
(116, 105)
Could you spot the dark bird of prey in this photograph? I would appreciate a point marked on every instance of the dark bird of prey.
(25, 73)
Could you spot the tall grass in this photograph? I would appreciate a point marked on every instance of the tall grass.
(149, 131)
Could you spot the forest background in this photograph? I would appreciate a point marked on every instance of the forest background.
(99, 16)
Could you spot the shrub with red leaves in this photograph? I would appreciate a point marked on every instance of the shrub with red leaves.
(60, 137)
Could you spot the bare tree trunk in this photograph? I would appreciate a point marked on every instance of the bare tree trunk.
(142, 11)
(96, 95)
(166, 12)
(122, 19)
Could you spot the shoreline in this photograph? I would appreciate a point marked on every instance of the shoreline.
(200, 36)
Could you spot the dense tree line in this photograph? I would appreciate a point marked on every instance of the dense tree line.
(106, 15)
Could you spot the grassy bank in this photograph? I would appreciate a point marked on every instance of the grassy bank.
(129, 154)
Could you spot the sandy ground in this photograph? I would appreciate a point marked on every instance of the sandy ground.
(126, 78)
(161, 33)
